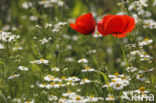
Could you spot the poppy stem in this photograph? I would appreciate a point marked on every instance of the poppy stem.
(124, 54)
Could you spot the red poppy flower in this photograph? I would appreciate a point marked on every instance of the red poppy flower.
(116, 25)
(85, 24)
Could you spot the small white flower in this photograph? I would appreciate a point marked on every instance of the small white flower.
(97, 35)
(91, 51)
(62, 23)
(145, 42)
(48, 25)
(131, 69)
(51, 3)
(110, 98)
(41, 61)
(154, 3)
(141, 90)
(69, 59)
(88, 69)
(84, 81)
(17, 100)
(55, 69)
(149, 23)
(27, 5)
(84, 60)
(22, 68)
(52, 98)
(33, 18)
(17, 48)
(8, 37)
(140, 77)
(43, 85)
(32, 101)
(1, 46)
(145, 57)
(14, 76)
(45, 40)
(118, 86)
(75, 38)
(135, 52)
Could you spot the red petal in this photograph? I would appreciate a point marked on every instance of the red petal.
(125, 21)
(119, 35)
(101, 25)
(73, 26)
(81, 28)
(100, 28)
(85, 24)
(130, 26)
(115, 25)
(105, 18)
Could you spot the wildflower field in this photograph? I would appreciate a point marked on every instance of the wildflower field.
(77, 51)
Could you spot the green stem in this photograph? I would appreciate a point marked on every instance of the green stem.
(124, 54)
(3, 98)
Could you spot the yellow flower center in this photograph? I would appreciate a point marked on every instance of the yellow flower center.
(140, 76)
(63, 77)
(147, 24)
(52, 83)
(115, 77)
(91, 97)
(52, 78)
(87, 68)
(145, 58)
(113, 80)
(73, 77)
(13, 75)
(142, 93)
(85, 79)
(145, 69)
(70, 81)
(118, 85)
(111, 96)
(78, 98)
(42, 59)
(116, 74)
(63, 98)
(107, 83)
(142, 88)
(146, 39)
(123, 77)
(44, 84)
(59, 83)
(68, 91)
(145, 53)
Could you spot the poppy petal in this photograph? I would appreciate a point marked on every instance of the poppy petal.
(125, 21)
(117, 25)
(114, 25)
(100, 28)
(119, 35)
(85, 24)
(81, 28)
(130, 26)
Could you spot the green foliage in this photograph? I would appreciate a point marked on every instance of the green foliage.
(64, 47)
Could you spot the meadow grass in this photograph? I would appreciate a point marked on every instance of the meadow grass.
(43, 60)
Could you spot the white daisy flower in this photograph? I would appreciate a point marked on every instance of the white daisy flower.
(55, 69)
(84, 60)
(14, 76)
(22, 68)
(41, 61)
